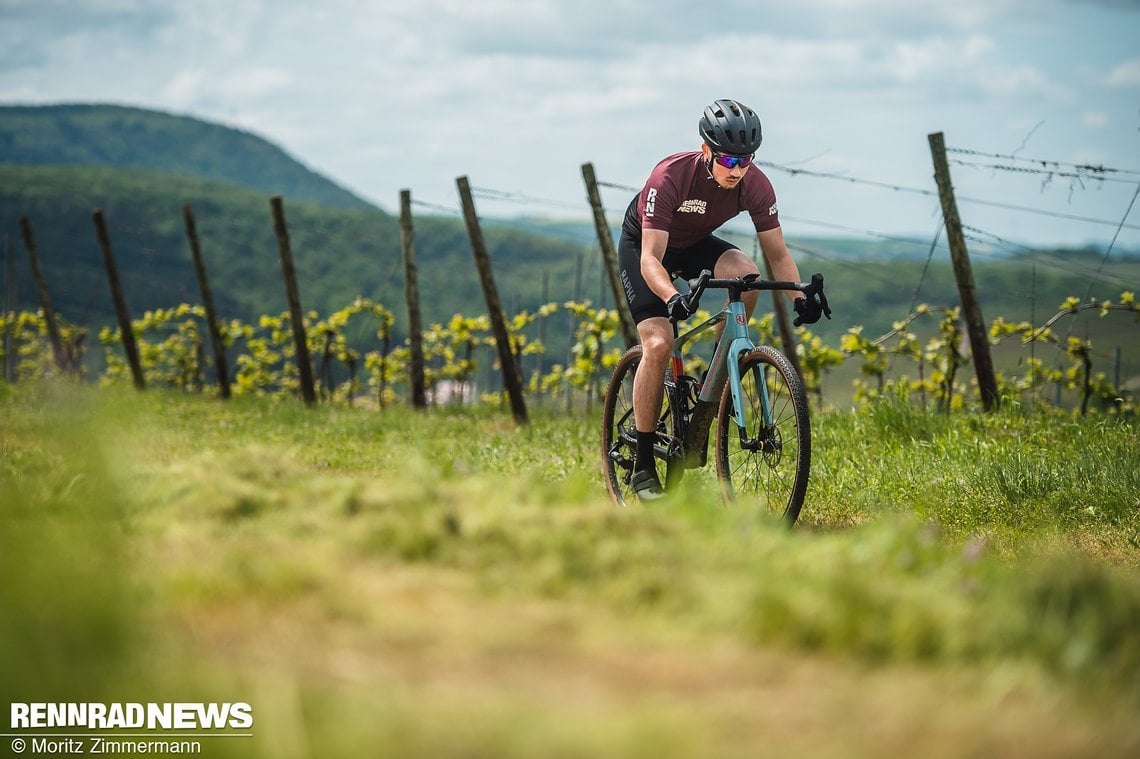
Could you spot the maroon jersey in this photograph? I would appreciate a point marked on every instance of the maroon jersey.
(682, 199)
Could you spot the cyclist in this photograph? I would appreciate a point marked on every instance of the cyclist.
(667, 234)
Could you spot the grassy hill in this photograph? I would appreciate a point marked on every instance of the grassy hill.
(955, 587)
(121, 137)
(58, 163)
(340, 252)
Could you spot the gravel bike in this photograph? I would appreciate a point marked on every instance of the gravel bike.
(763, 438)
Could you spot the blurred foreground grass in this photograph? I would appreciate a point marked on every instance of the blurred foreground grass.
(399, 584)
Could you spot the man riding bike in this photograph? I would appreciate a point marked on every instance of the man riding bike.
(667, 234)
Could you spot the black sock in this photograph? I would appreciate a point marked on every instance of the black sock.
(644, 458)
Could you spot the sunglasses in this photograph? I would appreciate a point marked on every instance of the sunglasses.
(732, 161)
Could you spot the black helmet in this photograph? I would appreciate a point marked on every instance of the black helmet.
(731, 127)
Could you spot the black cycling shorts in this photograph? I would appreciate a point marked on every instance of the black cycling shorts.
(684, 263)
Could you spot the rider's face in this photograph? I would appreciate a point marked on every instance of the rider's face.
(725, 177)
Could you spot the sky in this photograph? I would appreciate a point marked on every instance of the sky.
(382, 96)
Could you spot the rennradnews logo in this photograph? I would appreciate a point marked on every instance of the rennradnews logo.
(136, 716)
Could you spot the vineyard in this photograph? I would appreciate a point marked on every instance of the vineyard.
(562, 347)
(355, 358)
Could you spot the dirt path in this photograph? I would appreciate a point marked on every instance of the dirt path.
(420, 663)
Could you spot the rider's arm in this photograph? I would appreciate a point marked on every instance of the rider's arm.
(653, 245)
(776, 251)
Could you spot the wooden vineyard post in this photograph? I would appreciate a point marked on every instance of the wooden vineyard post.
(220, 368)
(9, 305)
(412, 297)
(609, 256)
(130, 346)
(963, 273)
(300, 340)
(511, 380)
(542, 334)
(572, 325)
(57, 352)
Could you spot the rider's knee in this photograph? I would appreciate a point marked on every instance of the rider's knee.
(735, 264)
(657, 346)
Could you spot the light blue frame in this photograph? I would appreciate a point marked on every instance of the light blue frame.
(734, 342)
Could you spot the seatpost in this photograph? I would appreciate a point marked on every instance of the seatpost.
(677, 362)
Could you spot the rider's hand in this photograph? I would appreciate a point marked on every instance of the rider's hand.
(808, 311)
(679, 308)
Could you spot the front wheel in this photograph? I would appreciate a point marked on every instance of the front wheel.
(767, 460)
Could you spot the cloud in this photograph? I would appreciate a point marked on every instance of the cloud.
(1122, 5)
(66, 16)
(1094, 119)
(35, 33)
(1125, 76)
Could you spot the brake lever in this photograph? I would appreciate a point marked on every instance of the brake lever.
(697, 288)
(817, 289)
(701, 279)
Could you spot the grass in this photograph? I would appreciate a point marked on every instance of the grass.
(451, 585)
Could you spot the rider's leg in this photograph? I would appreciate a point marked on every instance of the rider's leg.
(656, 335)
(653, 329)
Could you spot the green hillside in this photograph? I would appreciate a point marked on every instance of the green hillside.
(58, 163)
(339, 253)
(117, 136)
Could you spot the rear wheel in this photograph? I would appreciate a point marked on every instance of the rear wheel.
(619, 435)
(766, 462)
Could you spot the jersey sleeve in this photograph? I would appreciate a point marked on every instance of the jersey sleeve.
(760, 201)
(660, 196)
